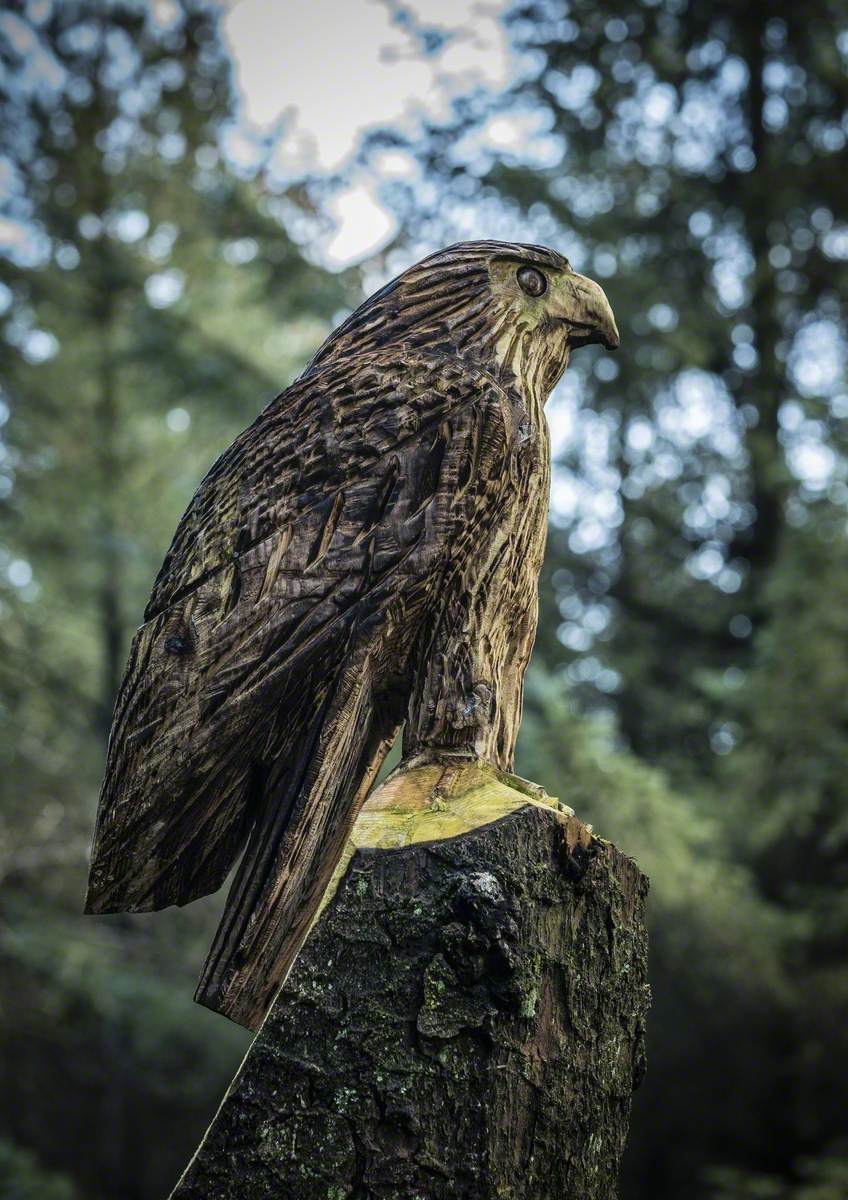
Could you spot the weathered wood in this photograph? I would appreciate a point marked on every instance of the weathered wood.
(367, 552)
(464, 1021)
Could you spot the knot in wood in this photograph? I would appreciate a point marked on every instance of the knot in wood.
(474, 709)
(179, 643)
(479, 896)
(525, 436)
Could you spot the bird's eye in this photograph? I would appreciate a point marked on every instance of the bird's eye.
(531, 281)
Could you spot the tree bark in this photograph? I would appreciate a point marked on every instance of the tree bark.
(465, 1019)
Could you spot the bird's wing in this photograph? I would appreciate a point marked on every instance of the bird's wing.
(338, 503)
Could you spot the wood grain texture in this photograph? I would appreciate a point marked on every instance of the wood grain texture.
(465, 1021)
(367, 551)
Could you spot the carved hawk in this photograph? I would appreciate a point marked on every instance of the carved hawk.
(366, 553)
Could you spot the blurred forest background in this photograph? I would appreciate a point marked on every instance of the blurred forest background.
(689, 692)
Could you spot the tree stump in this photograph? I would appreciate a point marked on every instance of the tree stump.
(465, 1019)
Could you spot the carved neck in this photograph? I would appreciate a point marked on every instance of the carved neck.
(532, 365)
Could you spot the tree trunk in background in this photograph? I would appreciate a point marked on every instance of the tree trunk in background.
(755, 194)
(465, 1020)
(106, 552)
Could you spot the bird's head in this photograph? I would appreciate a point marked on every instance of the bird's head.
(516, 310)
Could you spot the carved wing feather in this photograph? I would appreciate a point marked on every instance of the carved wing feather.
(336, 506)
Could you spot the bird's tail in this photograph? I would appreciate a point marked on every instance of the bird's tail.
(308, 809)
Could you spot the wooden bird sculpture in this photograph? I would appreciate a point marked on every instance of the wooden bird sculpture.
(365, 554)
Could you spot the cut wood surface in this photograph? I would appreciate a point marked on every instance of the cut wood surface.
(465, 1019)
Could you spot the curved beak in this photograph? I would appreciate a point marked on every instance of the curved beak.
(585, 308)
